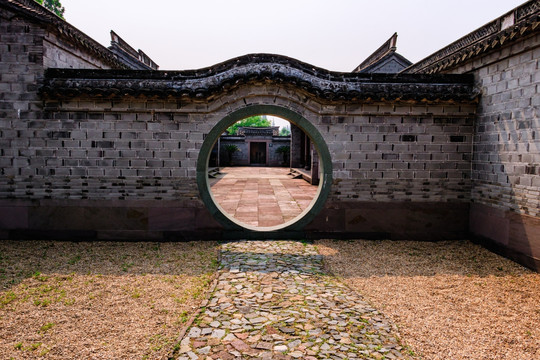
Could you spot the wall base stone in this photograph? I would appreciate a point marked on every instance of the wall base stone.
(423, 221)
(160, 221)
(507, 233)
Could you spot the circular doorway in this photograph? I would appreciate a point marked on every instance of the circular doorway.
(325, 168)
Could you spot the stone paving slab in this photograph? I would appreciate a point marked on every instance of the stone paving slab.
(261, 196)
(274, 301)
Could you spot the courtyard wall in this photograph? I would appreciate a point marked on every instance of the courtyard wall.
(126, 167)
(242, 157)
(504, 58)
(506, 163)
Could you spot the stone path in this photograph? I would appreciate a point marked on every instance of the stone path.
(274, 301)
(261, 196)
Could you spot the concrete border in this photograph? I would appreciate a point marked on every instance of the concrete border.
(294, 225)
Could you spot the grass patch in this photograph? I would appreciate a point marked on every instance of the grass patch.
(46, 327)
(74, 260)
(7, 298)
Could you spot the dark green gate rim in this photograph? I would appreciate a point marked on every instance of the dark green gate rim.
(253, 110)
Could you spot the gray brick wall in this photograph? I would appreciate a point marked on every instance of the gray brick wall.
(20, 71)
(296, 143)
(36, 144)
(110, 160)
(411, 154)
(241, 157)
(506, 163)
(82, 151)
(59, 53)
(93, 149)
(238, 158)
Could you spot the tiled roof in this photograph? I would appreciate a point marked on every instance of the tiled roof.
(379, 61)
(258, 131)
(38, 13)
(258, 69)
(520, 22)
(382, 64)
(137, 60)
(382, 51)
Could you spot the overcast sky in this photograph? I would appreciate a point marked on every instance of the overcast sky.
(336, 35)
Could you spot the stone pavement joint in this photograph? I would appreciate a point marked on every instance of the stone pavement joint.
(273, 300)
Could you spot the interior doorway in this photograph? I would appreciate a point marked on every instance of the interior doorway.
(257, 153)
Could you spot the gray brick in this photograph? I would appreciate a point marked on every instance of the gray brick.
(138, 163)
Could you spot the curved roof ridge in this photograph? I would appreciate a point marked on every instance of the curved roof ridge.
(259, 62)
(257, 69)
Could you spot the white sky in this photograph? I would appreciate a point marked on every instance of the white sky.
(277, 121)
(335, 35)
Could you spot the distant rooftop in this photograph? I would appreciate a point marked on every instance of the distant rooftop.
(258, 131)
(138, 60)
(122, 57)
(384, 60)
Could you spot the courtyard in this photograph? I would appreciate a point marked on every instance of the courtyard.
(261, 196)
(114, 236)
(419, 300)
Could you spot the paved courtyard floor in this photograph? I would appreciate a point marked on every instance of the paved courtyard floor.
(273, 300)
(261, 196)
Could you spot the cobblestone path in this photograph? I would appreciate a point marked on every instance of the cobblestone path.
(274, 301)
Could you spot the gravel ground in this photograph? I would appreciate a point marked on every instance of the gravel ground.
(450, 300)
(100, 300)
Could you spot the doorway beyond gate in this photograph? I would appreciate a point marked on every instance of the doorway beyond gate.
(257, 153)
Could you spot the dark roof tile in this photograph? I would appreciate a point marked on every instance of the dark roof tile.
(255, 69)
